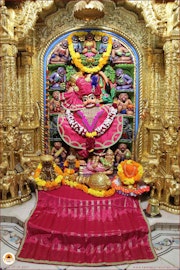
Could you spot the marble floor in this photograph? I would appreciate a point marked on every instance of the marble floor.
(165, 238)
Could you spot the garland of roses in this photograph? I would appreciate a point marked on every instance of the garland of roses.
(127, 178)
(98, 131)
(76, 56)
(48, 184)
(91, 191)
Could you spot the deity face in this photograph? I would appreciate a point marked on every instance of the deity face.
(89, 101)
(119, 72)
(75, 39)
(116, 45)
(56, 95)
(105, 39)
(57, 145)
(47, 164)
(89, 37)
(64, 44)
(122, 147)
(61, 71)
(123, 97)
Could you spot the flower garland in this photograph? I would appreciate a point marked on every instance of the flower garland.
(76, 56)
(48, 184)
(96, 193)
(69, 171)
(129, 191)
(98, 131)
(129, 172)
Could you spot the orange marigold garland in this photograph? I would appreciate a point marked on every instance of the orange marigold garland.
(96, 193)
(129, 190)
(48, 184)
(129, 172)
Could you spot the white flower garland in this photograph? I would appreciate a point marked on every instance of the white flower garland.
(98, 131)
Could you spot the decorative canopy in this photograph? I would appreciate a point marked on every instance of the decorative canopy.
(88, 10)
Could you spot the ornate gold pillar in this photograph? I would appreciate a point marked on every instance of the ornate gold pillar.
(27, 85)
(1, 111)
(170, 116)
(152, 122)
(8, 53)
(30, 124)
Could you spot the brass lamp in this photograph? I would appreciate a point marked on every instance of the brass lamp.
(88, 10)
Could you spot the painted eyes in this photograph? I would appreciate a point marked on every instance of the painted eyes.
(89, 97)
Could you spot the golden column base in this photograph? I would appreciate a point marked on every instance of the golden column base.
(173, 209)
(18, 200)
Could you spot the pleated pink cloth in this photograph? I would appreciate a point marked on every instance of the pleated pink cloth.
(70, 227)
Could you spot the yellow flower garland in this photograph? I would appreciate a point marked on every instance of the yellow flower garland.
(96, 193)
(48, 184)
(127, 177)
(91, 134)
(76, 56)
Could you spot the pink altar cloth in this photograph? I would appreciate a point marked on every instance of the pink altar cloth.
(70, 227)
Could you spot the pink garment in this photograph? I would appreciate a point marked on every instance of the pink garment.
(73, 139)
(99, 168)
(89, 54)
(70, 100)
(71, 227)
(86, 88)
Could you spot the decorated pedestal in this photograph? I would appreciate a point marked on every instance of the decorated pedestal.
(75, 228)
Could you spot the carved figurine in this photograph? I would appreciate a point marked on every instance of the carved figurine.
(120, 54)
(71, 164)
(101, 163)
(122, 153)
(54, 103)
(14, 166)
(123, 103)
(172, 190)
(57, 151)
(77, 44)
(60, 54)
(8, 187)
(58, 78)
(53, 127)
(123, 81)
(104, 44)
(47, 172)
(127, 129)
(89, 46)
